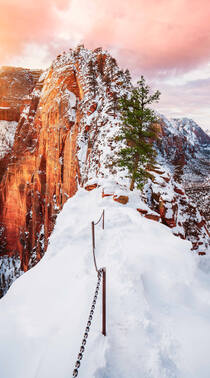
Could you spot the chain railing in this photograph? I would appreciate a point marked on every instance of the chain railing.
(101, 274)
(87, 329)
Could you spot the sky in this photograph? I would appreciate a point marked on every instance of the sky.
(167, 41)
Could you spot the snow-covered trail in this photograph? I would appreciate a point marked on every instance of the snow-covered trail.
(158, 310)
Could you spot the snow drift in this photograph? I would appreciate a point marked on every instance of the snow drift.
(158, 300)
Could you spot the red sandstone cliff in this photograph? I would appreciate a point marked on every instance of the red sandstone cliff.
(66, 136)
(37, 181)
(16, 85)
(43, 170)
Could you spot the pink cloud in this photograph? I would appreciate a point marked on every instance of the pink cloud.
(153, 35)
(26, 21)
(187, 100)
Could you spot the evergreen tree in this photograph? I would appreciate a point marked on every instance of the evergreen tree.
(138, 132)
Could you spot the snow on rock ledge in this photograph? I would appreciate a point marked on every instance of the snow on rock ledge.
(7, 135)
(167, 197)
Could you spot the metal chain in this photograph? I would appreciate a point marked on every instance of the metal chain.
(87, 329)
(102, 215)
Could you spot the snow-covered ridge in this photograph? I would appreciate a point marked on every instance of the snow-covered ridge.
(101, 83)
(76, 110)
(158, 297)
(157, 289)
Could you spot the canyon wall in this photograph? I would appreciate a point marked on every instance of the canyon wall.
(16, 85)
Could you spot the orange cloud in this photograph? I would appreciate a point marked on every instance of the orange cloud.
(26, 21)
(153, 35)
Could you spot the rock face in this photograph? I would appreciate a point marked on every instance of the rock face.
(66, 136)
(16, 85)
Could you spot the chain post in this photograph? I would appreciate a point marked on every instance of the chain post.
(103, 220)
(104, 302)
(101, 276)
(93, 234)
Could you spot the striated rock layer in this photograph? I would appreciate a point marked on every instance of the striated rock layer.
(16, 85)
(67, 136)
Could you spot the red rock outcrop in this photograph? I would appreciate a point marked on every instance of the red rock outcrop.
(16, 85)
(121, 199)
(43, 170)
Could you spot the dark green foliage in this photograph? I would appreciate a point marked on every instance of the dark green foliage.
(138, 132)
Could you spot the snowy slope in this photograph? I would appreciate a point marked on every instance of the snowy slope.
(158, 300)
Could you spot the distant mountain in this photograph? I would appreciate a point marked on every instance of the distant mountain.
(186, 147)
(190, 129)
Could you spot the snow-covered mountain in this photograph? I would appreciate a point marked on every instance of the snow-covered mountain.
(187, 147)
(66, 138)
(56, 178)
(191, 130)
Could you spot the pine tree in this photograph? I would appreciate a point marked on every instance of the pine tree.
(138, 132)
